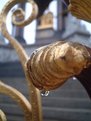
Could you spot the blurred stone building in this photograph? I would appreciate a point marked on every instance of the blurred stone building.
(68, 103)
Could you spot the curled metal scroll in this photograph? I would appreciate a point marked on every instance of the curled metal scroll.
(35, 99)
(19, 98)
(47, 67)
(12, 3)
(2, 116)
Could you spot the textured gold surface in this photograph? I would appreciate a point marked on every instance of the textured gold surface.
(81, 9)
(50, 66)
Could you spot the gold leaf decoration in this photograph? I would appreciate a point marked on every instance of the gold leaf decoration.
(81, 9)
(50, 66)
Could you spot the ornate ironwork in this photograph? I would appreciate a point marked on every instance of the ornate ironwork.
(50, 66)
(81, 9)
(55, 56)
(32, 110)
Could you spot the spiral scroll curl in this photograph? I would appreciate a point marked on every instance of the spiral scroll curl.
(22, 23)
(35, 99)
(50, 66)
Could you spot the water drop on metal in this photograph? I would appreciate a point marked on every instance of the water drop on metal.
(44, 93)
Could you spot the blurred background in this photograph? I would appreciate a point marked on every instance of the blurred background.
(71, 101)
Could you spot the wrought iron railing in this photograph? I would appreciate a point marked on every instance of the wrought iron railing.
(48, 68)
(32, 110)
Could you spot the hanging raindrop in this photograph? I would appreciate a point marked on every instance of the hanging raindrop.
(44, 93)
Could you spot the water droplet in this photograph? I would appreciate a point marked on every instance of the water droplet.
(44, 93)
(74, 78)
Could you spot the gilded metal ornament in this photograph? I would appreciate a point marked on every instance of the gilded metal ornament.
(35, 99)
(81, 9)
(49, 66)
